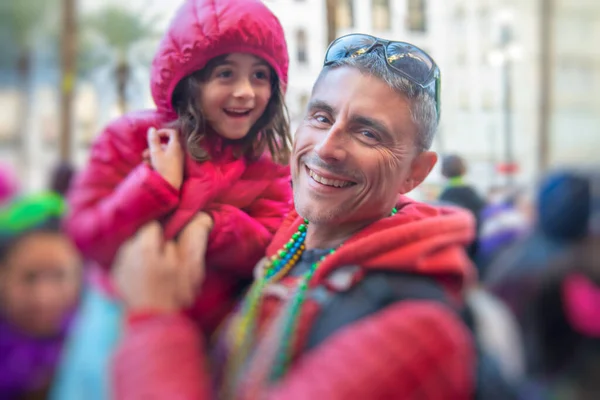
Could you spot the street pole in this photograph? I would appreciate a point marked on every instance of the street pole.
(508, 117)
(68, 71)
(546, 83)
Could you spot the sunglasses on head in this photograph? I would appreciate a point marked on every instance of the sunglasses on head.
(405, 59)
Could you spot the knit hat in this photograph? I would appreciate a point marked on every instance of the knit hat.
(30, 212)
(567, 205)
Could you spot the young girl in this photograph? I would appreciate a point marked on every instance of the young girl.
(218, 81)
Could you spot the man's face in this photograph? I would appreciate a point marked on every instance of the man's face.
(355, 150)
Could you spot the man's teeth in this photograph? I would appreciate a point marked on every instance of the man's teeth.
(329, 182)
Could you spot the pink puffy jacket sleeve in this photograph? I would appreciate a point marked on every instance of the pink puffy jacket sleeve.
(424, 352)
(250, 230)
(116, 193)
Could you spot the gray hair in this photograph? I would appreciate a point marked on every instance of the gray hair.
(422, 101)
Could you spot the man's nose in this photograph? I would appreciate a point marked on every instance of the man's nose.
(333, 146)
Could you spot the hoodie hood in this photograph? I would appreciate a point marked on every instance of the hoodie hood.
(420, 239)
(204, 29)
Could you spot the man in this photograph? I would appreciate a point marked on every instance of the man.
(315, 323)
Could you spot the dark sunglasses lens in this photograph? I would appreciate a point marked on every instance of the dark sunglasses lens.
(348, 46)
(413, 62)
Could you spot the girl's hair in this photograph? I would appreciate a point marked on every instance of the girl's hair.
(271, 130)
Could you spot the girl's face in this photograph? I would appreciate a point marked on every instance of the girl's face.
(235, 94)
(39, 283)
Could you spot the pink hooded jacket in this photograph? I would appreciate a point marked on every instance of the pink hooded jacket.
(117, 193)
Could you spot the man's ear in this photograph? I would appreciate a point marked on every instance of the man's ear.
(419, 170)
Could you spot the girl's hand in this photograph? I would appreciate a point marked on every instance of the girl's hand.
(192, 244)
(166, 155)
(147, 272)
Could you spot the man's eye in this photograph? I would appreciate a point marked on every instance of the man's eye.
(368, 137)
(322, 119)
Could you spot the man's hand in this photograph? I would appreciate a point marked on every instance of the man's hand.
(147, 272)
(166, 158)
(191, 245)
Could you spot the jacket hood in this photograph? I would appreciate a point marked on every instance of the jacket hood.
(204, 29)
(420, 239)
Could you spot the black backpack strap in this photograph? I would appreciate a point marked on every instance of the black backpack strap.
(374, 292)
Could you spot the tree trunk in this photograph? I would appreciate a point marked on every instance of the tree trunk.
(68, 71)
(331, 15)
(25, 97)
(123, 72)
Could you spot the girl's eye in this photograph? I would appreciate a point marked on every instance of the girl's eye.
(261, 75)
(225, 73)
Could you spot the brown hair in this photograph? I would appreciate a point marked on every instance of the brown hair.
(453, 166)
(271, 130)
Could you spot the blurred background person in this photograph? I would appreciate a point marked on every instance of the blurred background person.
(503, 222)
(61, 177)
(550, 280)
(460, 193)
(563, 215)
(9, 184)
(562, 328)
(39, 289)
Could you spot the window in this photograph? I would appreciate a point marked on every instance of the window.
(464, 100)
(574, 77)
(301, 46)
(345, 14)
(459, 20)
(488, 101)
(381, 15)
(417, 20)
(461, 57)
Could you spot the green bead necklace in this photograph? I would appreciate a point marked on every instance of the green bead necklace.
(245, 324)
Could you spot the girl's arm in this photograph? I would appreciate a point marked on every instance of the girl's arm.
(117, 192)
(240, 237)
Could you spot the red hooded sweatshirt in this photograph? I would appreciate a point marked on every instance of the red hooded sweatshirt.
(412, 349)
(117, 193)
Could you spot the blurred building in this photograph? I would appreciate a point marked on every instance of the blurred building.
(485, 49)
(575, 112)
(486, 35)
